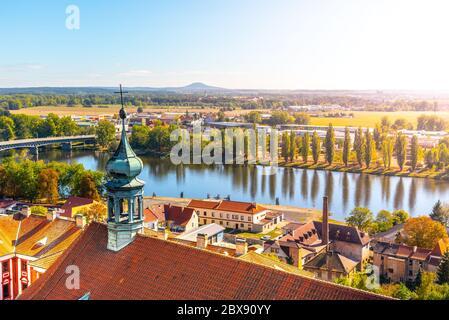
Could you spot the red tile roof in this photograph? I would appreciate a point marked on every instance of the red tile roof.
(149, 215)
(74, 202)
(178, 215)
(225, 205)
(150, 268)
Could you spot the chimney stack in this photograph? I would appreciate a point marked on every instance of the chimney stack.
(202, 241)
(241, 247)
(325, 228)
(26, 211)
(162, 233)
(80, 221)
(51, 215)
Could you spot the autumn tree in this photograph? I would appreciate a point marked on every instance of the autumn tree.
(329, 144)
(316, 147)
(305, 150)
(401, 150)
(415, 152)
(424, 232)
(359, 146)
(48, 185)
(87, 187)
(95, 212)
(346, 147)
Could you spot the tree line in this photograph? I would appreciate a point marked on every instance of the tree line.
(37, 181)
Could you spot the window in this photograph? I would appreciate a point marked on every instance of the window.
(221, 215)
(227, 223)
(24, 265)
(242, 218)
(410, 273)
(5, 291)
(390, 270)
(204, 221)
(5, 267)
(213, 214)
(242, 225)
(227, 216)
(410, 262)
(213, 221)
(221, 222)
(205, 213)
(235, 217)
(249, 219)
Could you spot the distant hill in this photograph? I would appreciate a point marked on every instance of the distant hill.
(197, 87)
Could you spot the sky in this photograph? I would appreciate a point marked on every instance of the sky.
(245, 44)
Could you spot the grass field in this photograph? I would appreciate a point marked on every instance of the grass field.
(369, 119)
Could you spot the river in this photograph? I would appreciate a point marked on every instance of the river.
(296, 187)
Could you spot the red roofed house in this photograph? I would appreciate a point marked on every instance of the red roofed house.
(402, 263)
(154, 217)
(180, 219)
(29, 245)
(74, 205)
(116, 261)
(236, 215)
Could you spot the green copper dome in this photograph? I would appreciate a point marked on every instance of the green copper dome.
(124, 164)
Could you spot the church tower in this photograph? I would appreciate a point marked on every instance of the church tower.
(124, 191)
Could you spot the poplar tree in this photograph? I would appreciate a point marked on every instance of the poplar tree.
(305, 150)
(346, 147)
(359, 146)
(330, 144)
(316, 147)
(292, 146)
(415, 152)
(443, 270)
(370, 149)
(401, 150)
(377, 136)
(285, 146)
(387, 151)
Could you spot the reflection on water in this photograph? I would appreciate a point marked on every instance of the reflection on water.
(297, 187)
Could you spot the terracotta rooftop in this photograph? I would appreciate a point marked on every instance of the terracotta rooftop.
(402, 251)
(35, 236)
(335, 261)
(74, 202)
(150, 268)
(179, 215)
(225, 205)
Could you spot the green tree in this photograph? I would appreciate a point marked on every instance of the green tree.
(401, 150)
(139, 137)
(370, 149)
(361, 218)
(359, 146)
(280, 117)
(302, 118)
(292, 148)
(443, 270)
(316, 147)
(415, 152)
(440, 213)
(377, 136)
(7, 129)
(39, 210)
(384, 221)
(346, 147)
(400, 216)
(254, 117)
(285, 146)
(329, 144)
(387, 151)
(105, 133)
(305, 150)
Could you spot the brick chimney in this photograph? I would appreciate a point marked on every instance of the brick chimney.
(162, 233)
(202, 241)
(241, 247)
(80, 221)
(325, 228)
(51, 215)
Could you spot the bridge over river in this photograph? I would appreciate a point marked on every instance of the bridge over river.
(34, 144)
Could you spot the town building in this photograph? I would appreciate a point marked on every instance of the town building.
(154, 217)
(75, 205)
(179, 219)
(236, 215)
(29, 245)
(402, 263)
(114, 259)
(322, 246)
(213, 232)
(6, 206)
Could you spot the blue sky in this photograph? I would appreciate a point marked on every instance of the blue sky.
(284, 44)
